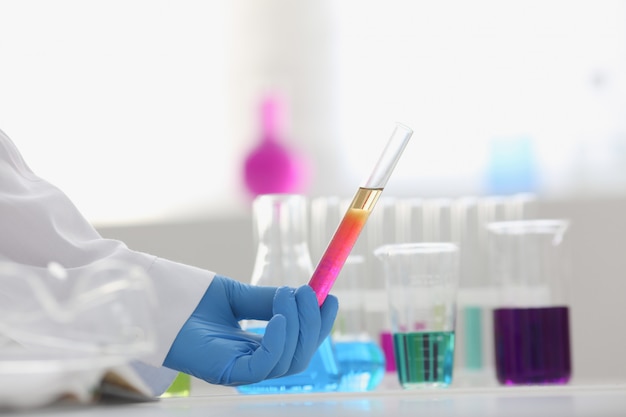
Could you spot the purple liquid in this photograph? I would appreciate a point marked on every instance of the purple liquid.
(532, 345)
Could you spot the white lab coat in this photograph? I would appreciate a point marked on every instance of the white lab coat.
(39, 224)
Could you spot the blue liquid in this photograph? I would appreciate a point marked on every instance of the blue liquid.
(362, 365)
(321, 375)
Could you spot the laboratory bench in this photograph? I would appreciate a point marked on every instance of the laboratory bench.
(588, 399)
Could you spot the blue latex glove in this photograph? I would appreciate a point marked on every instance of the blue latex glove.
(212, 346)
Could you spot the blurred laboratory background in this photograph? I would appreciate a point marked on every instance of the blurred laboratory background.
(163, 119)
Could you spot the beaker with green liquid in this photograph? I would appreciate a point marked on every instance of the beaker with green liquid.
(422, 281)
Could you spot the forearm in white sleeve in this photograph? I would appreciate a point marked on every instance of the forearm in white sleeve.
(39, 224)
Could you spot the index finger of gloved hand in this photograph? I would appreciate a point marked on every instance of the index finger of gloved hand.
(310, 323)
(328, 312)
(285, 304)
(252, 301)
(258, 365)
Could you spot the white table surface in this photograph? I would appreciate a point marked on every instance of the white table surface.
(575, 399)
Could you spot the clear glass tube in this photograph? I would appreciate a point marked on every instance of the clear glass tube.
(359, 210)
(389, 157)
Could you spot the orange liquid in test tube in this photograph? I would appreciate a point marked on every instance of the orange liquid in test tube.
(353, 221)
(342, 242)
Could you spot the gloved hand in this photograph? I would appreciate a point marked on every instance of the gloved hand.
(212, 346)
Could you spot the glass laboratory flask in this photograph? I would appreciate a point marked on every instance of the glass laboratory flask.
(283, 258)
(528, 262)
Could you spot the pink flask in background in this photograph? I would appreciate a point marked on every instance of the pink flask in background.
(272, 167)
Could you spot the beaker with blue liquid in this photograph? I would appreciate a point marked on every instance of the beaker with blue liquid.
(361, 359)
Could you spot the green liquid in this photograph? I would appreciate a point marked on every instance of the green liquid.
(424, 358)
(181, 386)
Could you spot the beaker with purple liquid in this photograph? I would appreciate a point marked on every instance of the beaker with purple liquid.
(528, 263)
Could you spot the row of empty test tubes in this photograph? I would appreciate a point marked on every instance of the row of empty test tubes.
(398, 220)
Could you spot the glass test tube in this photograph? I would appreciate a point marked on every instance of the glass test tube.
(355, 217)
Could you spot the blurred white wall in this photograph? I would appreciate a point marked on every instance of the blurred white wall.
(142, 110)
(121, 103)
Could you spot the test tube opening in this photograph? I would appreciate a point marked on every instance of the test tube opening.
(389, 157)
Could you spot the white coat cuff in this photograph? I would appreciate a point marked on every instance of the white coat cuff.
(179, 288)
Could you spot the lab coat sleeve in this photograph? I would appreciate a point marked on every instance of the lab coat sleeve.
(39, 224)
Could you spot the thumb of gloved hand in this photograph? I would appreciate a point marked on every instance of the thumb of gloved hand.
(212, 346)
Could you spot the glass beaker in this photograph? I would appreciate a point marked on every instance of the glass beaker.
(528, 262)
(380, 230)
(422, 281)
(326, 215)
(361, 360)
(283, 258)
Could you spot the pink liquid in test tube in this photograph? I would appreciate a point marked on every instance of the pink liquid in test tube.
(357, 214)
